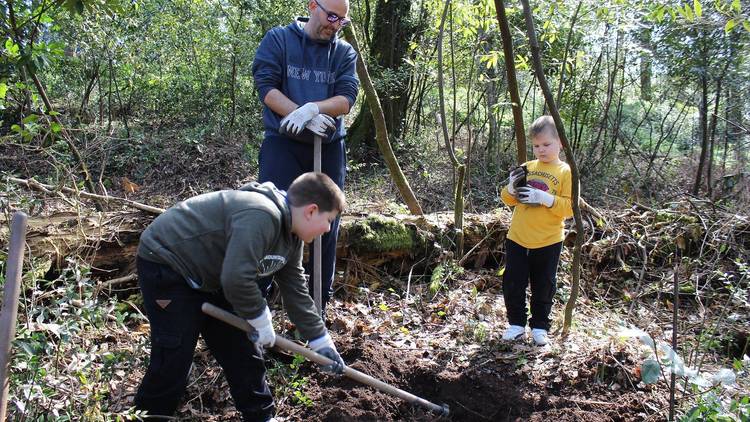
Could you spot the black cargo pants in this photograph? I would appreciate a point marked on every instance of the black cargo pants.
(174, 311)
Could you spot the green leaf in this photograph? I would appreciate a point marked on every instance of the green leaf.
(3, 90)
(30, 119)
(55, 127)
(730, 24)
(16, 128)
(660, 14)
(697, 7)
(736, 6)
(689, 15)
(11, 48)
(650, 371)
(746, 25)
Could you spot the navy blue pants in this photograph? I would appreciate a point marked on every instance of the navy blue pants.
(538, 265)
(281, 160)
(174, 311)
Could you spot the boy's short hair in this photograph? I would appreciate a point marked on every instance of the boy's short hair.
(543, 124)
(316, 188)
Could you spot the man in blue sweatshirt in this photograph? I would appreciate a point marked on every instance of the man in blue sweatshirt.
(306, 79)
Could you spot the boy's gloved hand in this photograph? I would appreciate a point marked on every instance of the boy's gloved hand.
(320, 124)
(515, 175)
(264, 334)
(296, 121)
(324, 345)
(529, 195)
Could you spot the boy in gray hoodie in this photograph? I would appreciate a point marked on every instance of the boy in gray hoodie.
(216, 248)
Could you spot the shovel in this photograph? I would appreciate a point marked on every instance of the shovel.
(317, 251)
(286, 344)
(304, 136)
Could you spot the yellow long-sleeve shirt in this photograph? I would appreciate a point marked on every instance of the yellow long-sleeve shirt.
(536, 226)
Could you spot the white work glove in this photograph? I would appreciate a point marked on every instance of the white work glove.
(515, 174)
(529, 195)
(296, 121)
(320, 124)
(264, 335)
(324, 346)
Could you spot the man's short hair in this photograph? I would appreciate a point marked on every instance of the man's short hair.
(316, 188)
(543, 124)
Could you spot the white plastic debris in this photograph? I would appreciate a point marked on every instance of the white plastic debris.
(724, 376)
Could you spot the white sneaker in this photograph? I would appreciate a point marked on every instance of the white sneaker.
(514, 332)
(539, 336)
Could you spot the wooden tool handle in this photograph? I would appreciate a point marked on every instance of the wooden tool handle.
(286, 344)
(9, 312)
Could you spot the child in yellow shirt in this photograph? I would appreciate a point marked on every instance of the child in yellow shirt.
(534, 241)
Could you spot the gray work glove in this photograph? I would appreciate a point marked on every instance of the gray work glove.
(263, 335)
(320, 124)
(324, 346)
(515, 176)
(296, 121)
(528, 195)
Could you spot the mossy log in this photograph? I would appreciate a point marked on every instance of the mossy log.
(392, 244)
(389, 246)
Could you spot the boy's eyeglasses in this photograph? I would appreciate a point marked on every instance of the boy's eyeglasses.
(332, 17)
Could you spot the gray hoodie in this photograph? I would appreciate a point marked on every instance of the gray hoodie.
(228, 239)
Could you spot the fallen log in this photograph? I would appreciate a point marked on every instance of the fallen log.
(107, 241)
(374, 246)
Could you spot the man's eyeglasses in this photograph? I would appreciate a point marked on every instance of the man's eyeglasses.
(332, 17)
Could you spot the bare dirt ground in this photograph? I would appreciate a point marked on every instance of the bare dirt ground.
(444, 348)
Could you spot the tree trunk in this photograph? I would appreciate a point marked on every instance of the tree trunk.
(491, 98)
(394, 29)
(712, 138)
(564, 63)
(510, 69)
(576, 265)
(89, 88)
(381, 130)
(703, 111)
(457, 166)
(646, 62)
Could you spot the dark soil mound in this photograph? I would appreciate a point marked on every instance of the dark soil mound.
(487, 390)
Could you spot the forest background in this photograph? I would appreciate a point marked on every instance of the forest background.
(154, 100)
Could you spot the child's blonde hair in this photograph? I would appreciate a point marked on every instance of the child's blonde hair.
(542, 124)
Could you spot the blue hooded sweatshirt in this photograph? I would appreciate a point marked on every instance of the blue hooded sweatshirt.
(305, 70)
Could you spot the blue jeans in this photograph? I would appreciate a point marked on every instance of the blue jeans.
(281, 160)
(174, 312)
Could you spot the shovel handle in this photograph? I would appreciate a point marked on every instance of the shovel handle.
(14, 266)
(318, 244)
(288, 345)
